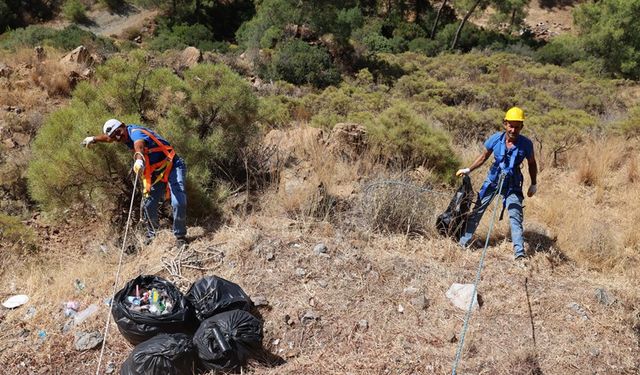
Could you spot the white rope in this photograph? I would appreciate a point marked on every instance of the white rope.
(115, 284)
(467, 317)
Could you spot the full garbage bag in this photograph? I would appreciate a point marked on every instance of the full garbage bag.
(453, 221)
(173, 313)
(164, 354)
(212, 295)
(226, 341)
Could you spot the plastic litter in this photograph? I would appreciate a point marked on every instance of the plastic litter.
(163, 354)
(84, 314)
(213, 295)
(227, 340)
(453, 221)
(15, 301)
(78, 284)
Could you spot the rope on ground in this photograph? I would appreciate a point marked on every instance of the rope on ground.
(115, 284)
(477, 281)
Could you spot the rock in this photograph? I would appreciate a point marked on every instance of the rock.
(348, 140)
(451, 337)
(410, 291)
(111, 367)
(259, 301)
(578, 310)
(323, 283)
(21, 139)
(604, 297)
(289, 320)
(300, 272)
(5, 70)
(309, 317)
(87, 340)
(594, 352)
(363, 325)
(400, 308)
(320, 248)
(188, 58)
(420, 302)
(80, 55)
(270, 256)
(460, 296)
(8, 143)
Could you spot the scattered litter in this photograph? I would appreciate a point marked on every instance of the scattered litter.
(578, 310)
(400, 309)
(363, 324)
(31, 312)
(78, 284)
(320, 248)
(15, 301)
(84, 314)
(70, 308)
(154, 301)
(460, 296)
(259, 301)
(42, 335)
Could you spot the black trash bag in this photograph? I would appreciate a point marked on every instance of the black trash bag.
(213, 295)
(453, 221)
(226, 341)
(137, 326)
(162, 355)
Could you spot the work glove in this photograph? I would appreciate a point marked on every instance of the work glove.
(532, 190)
(138, 166)
(463, 171)
(88, 141)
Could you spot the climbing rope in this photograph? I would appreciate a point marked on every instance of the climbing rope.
(477, 281)
(115, 284)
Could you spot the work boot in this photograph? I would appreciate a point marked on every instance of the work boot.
(181, 242)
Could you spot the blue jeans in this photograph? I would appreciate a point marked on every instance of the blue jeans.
(513, 206)
(177, 186)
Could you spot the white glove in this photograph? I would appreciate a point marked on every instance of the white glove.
(88, 141)
(532, 190)
(138, 166)
(463, 171)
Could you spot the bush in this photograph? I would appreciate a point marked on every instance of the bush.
(66, 39)
(562, 50)
(298, 62)
(74, 11)
(402, 137)
(182, 36)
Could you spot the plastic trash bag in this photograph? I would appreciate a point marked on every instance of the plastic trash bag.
(137, 326)
(162, 355)
(453, 221)
(212, 295)
(227, 340)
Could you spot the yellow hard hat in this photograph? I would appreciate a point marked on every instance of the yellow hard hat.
(514, 114)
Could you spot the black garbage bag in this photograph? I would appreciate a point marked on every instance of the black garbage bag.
(453, 221)
(212, 295)
(226, 341)
(163, 354)
(138, 326)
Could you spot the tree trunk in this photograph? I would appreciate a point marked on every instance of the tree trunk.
(464, 20)
(435, 23)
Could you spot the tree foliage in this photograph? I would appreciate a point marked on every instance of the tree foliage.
(610, 31)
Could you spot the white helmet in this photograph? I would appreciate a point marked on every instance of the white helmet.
(110, 126)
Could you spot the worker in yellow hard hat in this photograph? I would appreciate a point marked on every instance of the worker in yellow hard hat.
(510, 149)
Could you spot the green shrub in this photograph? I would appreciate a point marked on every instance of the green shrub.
(403, 137)
(66, 39)
(562, 50)
(560, 130)
(74, 11)
(182, 36)
(298, 62)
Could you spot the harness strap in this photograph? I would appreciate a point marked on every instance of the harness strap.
(511, 174)
(164, 166)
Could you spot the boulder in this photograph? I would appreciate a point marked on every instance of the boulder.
(348, 140)
(80, 56)
(188, 58)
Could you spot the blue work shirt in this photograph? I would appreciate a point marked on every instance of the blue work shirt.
(134, 136)
(507, 161)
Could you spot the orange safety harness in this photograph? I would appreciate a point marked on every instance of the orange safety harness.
(163, 167)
